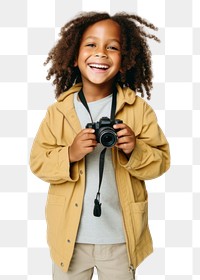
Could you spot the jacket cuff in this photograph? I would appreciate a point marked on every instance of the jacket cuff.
(135, 157)
(70, 169)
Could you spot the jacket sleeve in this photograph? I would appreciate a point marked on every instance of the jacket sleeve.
(50, 161)
(150, 157)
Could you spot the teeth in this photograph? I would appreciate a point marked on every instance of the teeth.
(98, 66)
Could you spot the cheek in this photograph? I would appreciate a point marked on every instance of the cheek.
(118, 60)
(82, 57)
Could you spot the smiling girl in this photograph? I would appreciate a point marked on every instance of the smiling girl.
(99, 65)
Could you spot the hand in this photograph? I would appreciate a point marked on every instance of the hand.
(83, 144)
(126, 138)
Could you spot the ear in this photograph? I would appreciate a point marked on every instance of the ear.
(75, 63)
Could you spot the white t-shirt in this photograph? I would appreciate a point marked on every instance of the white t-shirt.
(108, 228)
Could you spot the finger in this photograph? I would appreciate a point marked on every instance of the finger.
(89, 150)
(124, 132)
(87, 131)
(89, 143)
(88, 135)
(126, 139)
(126, 147)
(123, 146)
(119, 126)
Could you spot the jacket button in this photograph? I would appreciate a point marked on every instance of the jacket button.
(68, 241)
(81, 172)
(76, 204)
(62, 264)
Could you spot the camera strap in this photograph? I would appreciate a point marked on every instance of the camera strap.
(113, 107)
(97, 204)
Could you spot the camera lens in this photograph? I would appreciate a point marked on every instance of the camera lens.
(107, 137)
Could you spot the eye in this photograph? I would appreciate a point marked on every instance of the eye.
(113, 48)
(92, 45)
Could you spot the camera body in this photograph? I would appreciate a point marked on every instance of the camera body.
(104, 131)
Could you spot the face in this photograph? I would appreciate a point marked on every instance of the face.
(99, 57)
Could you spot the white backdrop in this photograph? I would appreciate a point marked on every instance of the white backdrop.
(28, 30)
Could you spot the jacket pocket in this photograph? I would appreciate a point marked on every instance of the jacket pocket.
(139, 216)
(54, 210)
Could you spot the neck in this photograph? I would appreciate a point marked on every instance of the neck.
(93, 93)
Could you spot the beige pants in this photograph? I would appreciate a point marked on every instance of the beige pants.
(111, 262)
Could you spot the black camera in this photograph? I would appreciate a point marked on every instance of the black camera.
(104, 131)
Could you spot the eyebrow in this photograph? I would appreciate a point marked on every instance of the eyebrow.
(110, 40)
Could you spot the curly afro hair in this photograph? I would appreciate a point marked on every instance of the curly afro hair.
(136, 55)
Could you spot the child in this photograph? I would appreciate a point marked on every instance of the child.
(97, 215)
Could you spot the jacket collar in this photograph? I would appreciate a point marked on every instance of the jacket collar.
(65, 104)
(65, 100)
(125, 95)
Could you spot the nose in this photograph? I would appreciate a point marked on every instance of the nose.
(101, 55)
(100, 52)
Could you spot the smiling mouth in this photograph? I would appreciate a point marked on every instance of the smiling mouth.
(98, 66)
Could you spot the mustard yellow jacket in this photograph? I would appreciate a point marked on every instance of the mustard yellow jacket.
(49, 161)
